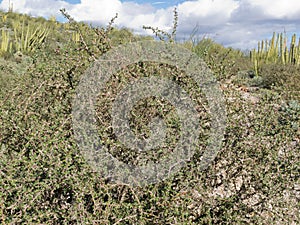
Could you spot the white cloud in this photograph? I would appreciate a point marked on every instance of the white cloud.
(96, 10)
(237, 23)
(208, 8)
(43, 8)
(280, 9)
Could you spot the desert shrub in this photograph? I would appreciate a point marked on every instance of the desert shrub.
(44, 179)
(284, 78)
(35, 115)
(124, 35)
(11, 71)
(224, 62)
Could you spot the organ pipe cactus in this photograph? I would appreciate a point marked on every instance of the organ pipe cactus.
(76, 36)
(27, 40)
(6, 45)
(276, 50)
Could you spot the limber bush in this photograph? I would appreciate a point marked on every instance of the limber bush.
(284, 78)
(44, 179)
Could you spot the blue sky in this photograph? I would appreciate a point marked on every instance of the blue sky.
(73, 1)
(155, 3)
(236, 23)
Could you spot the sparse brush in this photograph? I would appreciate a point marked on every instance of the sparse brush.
(101, 42)
(164, 35)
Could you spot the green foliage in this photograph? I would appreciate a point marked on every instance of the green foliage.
(45, 180)
(124, 35)
(94, 41)
(283, 78)
(224, 62)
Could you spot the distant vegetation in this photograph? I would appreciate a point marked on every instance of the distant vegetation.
(277, 51)
(44, 179)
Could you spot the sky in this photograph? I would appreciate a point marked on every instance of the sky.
(233, 23)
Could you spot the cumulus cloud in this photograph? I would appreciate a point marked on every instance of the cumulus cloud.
(96, 10)
(43, 8)
(277, 9)
(236, 23)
